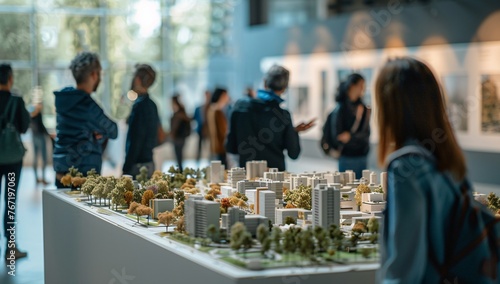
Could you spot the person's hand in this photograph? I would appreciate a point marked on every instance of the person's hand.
(98, 135)
(305, 126)
(344, 137)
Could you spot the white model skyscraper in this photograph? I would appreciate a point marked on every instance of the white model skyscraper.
(199, 215)
(326, 205)
(267, 205)
(235, 175)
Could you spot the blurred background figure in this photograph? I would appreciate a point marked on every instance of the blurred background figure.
(250, 93)
(217, 123)
(200, 116)
(144, 124)
(180, 128)
(39, 133)
(352, 125)
(13, 112)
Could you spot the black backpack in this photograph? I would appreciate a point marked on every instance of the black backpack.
(327, 142)
(12, 149)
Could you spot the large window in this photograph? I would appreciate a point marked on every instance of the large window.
(40, 37)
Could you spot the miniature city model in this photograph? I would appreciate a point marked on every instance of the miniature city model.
(260, 218)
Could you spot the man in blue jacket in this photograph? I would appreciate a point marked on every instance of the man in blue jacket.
(260, 129)
(82, 127)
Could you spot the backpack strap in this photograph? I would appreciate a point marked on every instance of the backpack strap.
(6, 111)
(13, 111)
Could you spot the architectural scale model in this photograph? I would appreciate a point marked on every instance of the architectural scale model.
(267, 218)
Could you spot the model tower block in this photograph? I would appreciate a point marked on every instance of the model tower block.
(199, 214)
(216, 172)
(326, 205)
(256, 169)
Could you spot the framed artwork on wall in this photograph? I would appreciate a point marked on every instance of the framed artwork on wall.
(490, 103)
(456, 88)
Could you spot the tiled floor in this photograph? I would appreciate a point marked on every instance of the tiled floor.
(30, 227)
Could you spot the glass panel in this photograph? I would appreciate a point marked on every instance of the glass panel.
(120, 85)
(23, 83)
(68, 3)
(15, 35)
(62, 37)
(133, 39)
(16, 2)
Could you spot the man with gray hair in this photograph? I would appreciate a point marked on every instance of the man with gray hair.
(260, 129)
(82, 127)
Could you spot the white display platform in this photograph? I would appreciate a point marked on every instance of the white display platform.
(84, 246)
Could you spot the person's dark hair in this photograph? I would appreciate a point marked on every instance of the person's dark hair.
(5, 73)
(83, 65)
(217, 94)
(176, 99)
(411, 106)
(344, 86)
(146, 74)
(276, 79)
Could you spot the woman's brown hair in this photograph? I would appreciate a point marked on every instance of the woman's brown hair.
(411, 106)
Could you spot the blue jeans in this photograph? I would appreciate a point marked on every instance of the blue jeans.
(356, 164)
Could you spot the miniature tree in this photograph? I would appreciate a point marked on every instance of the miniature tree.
(148, 194)
(373, 225)
(262, 233)
(225, 204)
(265, 246)
(362, 188)
(336, 235)
(88, 186)
(179, 210)
(357, 230)
(289, 244)
(172, 170)
(143, 210)
(77, 182)
(493, 202)
(306, 243)
(209, 197)
(246, 242)
(179, 196)
(238, 230)
(213, 233)
(128, 196)
(92, 173)
(142, 177)
(138, 195)
(66, 180)
(290, 220)
(181, 225)
(379, 189)
(133, 207)
(98, 191)
(322, 238)
(366, 252)
(166, 218)
(300, 197)
(109, 186)
(276, 239)
(204, 172)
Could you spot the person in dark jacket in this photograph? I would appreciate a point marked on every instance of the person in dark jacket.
(143, 122)
(82, 127)
(180, 128)
(260, 129)
(11, 105)
(39, 135)
(200, 116)
(352, 125)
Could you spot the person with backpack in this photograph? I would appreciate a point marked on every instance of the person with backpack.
(144, 124)
(217, 124)
(14, 119)
(346, 132)
(180, 128)
(434, 231)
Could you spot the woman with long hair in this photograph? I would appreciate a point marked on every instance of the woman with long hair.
(422, 156)
(217, 124)
(352, 125)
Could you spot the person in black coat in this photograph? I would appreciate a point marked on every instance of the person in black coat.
(352, 125)
(144, 122)
(11, 106)
(260, 129)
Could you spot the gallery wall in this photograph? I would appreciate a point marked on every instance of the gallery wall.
(457, 38)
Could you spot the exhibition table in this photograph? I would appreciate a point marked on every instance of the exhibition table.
(82, 245)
